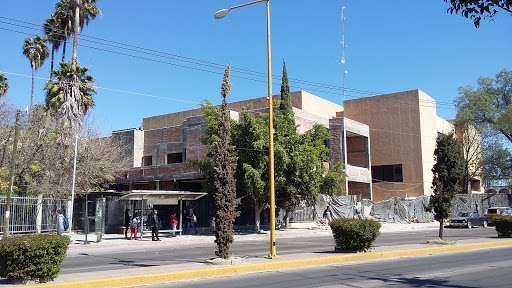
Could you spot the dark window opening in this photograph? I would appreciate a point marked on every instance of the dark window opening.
(387, 173)
(174, 158)
(147, 161)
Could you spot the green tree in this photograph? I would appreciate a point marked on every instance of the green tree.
(289, 150)
(82, 11)
(470, 141)
(476, 9)
(4, 85)
(489, 110)
(36, 51)
(447, 170)
(71, 112)
(300, 160)
(45, 159)
(286, 97)
(250, 136)
(56, 31)
(224, 166)
(55, 90)
(301, 170)
(496, 163)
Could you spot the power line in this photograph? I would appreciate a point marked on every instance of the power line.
(211, 65)
(187, 59)
(109, 89)
(145, 94)
(199, 62)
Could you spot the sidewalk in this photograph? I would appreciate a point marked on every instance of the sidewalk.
(296, 231)
(188, 271)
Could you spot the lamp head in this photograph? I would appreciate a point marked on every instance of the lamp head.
(221, 14)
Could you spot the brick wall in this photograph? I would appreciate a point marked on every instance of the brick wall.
(336, 148)
(357, 154)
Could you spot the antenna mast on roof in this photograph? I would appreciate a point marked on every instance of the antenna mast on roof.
(343, 46)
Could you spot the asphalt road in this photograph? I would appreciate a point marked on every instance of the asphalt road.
(90, 260)
(483, 268)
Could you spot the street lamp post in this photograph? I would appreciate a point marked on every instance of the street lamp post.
(220, 14)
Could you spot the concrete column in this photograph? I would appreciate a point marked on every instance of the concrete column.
(39, 214)
(68, 208)
(368, 149)
(343, 134)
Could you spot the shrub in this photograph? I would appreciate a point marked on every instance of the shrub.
(354, 234)
(503, 225)
(32, 257)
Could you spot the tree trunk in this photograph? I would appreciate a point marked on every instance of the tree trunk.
(441, 226)
(75, 41)
(64, 44)
(257, 213)
(51, 65)
(4, 148)
(286, 219)
(465, 179)
(32, 94)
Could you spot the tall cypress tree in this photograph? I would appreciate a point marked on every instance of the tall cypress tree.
(287, 141)
(286, 97)
(448, 171)
(224, 168)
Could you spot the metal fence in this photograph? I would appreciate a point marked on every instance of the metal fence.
(31, 214)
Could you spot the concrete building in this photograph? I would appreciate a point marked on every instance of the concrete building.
(402, 128)
(160, 147)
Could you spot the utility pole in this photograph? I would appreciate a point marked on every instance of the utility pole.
(11, 174)
(70, 216)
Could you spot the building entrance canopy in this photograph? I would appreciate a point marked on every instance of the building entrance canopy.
(161, 197)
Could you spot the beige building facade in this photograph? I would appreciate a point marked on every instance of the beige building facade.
(403, 128)
(387, 143)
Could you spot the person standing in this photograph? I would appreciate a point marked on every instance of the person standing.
(191, 218)
(327, 215)
(174, 223)
(155, 224)
(60, 222)
(127, 219)
(134, 225)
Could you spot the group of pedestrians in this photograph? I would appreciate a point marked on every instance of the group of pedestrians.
(133, 224)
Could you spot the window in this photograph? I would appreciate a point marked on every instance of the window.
(175, 158)
(147, 161)
(387, 173)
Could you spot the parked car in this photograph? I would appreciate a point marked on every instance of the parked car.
(494, 212)
(469, 219)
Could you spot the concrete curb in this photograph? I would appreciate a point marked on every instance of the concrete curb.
(274, 264)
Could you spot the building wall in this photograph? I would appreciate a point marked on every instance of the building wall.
(360, 190)
(396, 138)
(319, 106)
(444, 126)
(403, 127)
(357, 154)
(428, 120)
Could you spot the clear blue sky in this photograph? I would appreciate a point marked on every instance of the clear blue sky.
(392, 46)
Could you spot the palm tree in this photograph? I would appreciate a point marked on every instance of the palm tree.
(54, 29)
(82, 11)
(75, 101)
(56, 92)
(36, 51)
(4, 85)
(63, 16)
